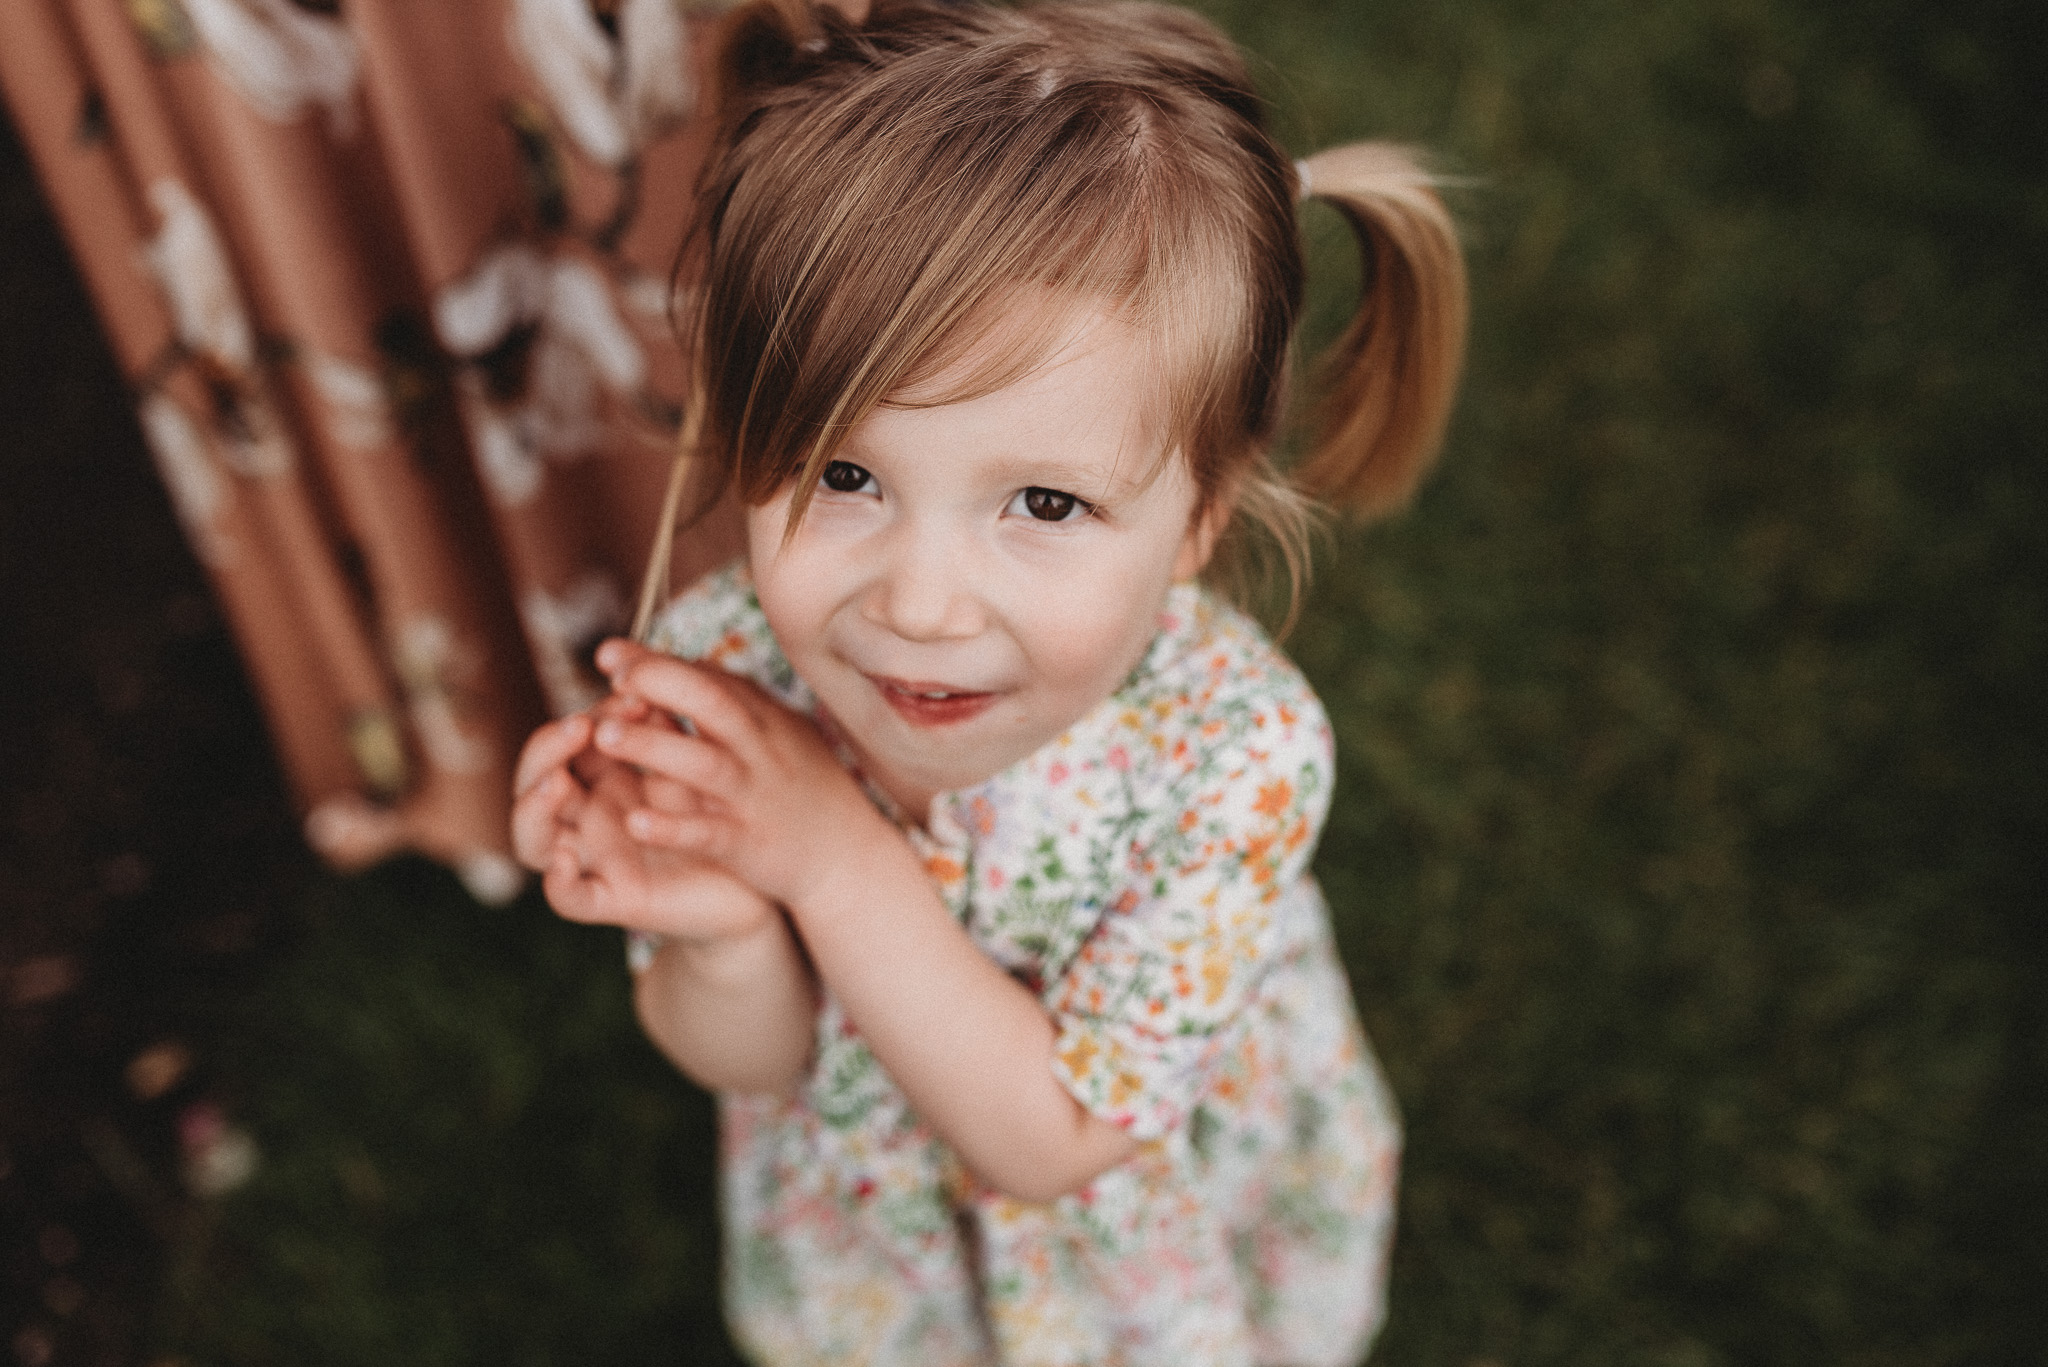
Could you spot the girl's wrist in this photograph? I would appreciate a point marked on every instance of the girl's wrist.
(843, 836)
(722, 958)
(861, 866)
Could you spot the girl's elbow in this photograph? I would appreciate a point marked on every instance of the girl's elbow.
(770, 1065)
(1041, 1188)
(742, 1080)
(1038, 1179)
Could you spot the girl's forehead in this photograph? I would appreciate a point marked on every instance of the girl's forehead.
(1052, 345)
(1075, 413)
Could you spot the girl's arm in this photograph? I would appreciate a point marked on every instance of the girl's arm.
(971, 1048)
(735, 1014)
(728, 997)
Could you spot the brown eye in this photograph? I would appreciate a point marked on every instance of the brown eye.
(1050, 505)
(844, 477)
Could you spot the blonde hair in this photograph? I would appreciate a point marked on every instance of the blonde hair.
(880, 190)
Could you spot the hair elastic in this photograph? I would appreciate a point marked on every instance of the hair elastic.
(1302, 186)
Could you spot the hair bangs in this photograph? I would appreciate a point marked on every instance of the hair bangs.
(972, 183)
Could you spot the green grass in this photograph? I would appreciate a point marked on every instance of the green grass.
(1690, 828)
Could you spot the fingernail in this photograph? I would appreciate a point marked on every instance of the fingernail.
(608, 656)
(611, 733)
(640, 825)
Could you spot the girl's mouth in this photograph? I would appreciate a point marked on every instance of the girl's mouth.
(931, 704)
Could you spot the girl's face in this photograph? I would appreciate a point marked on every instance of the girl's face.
(970, 579)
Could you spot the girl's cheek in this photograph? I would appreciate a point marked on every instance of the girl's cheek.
(1093, 634)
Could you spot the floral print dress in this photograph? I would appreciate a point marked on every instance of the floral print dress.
(1145, 874)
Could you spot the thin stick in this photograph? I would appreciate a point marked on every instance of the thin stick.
(656, 584)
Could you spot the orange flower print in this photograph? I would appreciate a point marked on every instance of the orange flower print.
(1274, 798)
(1255, 858)
(981, 815)
(1076, 1057)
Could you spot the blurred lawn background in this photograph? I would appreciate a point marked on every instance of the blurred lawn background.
(1689, 839)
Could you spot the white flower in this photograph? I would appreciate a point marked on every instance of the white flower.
(428, 656)
(580, 344)
(199, 492)
(580, 309)
(510, 467)
(211, 321)
(558, 629)
(188, 261)
(282, 58)
(507, 287)
(612, 94)
(358, 411)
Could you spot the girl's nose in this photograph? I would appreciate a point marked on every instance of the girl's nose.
(925, 591)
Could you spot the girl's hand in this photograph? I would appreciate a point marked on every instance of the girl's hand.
(556, 771)
(546, 795)
(771, 800)
(568, 814)
(601, 875)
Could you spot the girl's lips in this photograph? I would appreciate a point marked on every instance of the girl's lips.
(930, 704)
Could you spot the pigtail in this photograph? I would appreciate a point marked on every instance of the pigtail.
(1388, 382)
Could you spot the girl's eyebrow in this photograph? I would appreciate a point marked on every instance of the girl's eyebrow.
(1130, 472)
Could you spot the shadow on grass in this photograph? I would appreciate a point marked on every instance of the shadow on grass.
(470, 1152)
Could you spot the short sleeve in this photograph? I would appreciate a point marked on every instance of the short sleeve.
(1157, 993)
(718, 621)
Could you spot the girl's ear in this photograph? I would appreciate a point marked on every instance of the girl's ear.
(1205, 529)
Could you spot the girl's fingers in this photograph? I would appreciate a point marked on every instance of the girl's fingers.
(616, 652)
(549, 748)
(666, 795)
(568, 888)
(685, 759)
(710, 698)
(618, 705)
(537, 817)
(697, 834)
(615, 784)
(586, 898)
(597, 870)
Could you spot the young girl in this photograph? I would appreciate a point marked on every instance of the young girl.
(975, 881)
